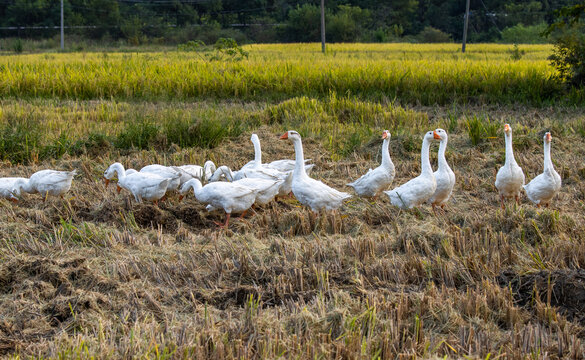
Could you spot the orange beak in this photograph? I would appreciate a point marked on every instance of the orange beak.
(284, 136)
(506, 128)
(14, 200)
(384, 135)
(436, 136)
(181, 197)
(548, 137)
(118, 189)
(107, 182)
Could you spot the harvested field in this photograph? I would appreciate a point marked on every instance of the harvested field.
(97, 275)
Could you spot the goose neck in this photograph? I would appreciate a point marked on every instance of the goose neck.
(442, 149)
(425, 161)
(386, 161)
(257, 152)
(299, 158)
(23, 185)
(509, 151)
(119, 169)
(548, 165)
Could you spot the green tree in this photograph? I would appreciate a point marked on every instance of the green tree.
(569, 52)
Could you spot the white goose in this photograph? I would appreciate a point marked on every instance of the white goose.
(444, 176)
(510, 177)
(46, 182)
(172, 173)
(229, 196)
(421, 188)
(267, 189)
(381, 177)
(308, 191)
(8, 190)
(197, 172)
(543, 188)
(280, 165)
(142, 185)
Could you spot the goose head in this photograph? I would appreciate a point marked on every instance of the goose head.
(507, 130)
(386, 134)
(547, 138)
(442, 134)
(291, 134)
(110, 172)
(431, 135)
(254, 138)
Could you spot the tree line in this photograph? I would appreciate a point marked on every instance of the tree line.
(178, 21)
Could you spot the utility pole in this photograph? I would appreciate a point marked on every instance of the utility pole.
(62, 28)
(465, 22)
(323, 26)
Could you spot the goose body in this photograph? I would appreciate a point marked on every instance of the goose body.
(229, 196)
(421, 188)
(46, 182)
(544, 187)
(286, 165)
(267, 188)
(142, 185)
(171, 173)
(308, 191)
(510, 177)
(444, 176)
(374, 181)
(203, 173)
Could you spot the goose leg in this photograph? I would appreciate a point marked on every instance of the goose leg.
(227, 219)
(155, 202)
(517, 199)
(502, 201)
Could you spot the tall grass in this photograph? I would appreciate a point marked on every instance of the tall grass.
(36, 130)
(426, 74)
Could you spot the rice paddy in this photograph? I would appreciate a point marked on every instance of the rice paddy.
(425, 74)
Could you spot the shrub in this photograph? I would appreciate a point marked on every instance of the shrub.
(569, 52)
(348, 24)
(516, 53)
(520, 34)
(569, 58)
(17, 46)
(303, 24)
(432, 35)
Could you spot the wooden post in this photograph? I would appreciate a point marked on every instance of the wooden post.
(323, 26)
(465, 22)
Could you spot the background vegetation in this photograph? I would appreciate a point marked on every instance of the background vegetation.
(423, 74)
(162, 22)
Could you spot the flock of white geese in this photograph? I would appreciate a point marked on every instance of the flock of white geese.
(259, 183)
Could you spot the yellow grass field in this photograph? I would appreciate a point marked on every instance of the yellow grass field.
(426, 74)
